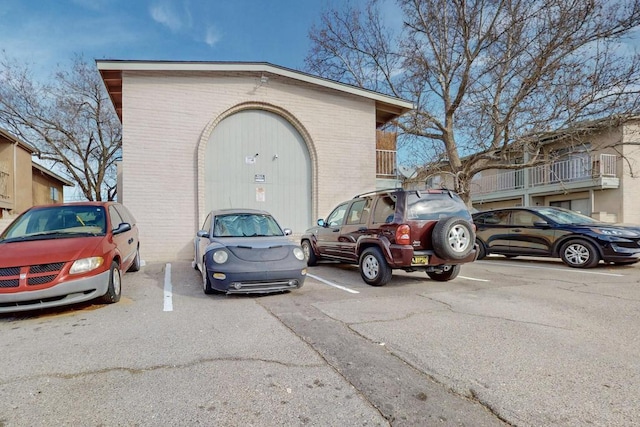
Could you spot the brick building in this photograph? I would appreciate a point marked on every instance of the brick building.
(204, 135)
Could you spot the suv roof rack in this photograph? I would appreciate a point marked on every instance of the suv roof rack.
(383, 190)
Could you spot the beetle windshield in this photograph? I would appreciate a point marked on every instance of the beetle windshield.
(52, 222)
(246, 225)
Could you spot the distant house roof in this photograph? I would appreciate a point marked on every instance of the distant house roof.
(387, 107)
(51, 175)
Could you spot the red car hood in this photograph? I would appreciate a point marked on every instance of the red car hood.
(14, 254)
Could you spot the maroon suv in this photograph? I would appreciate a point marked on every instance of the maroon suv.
(430, 231)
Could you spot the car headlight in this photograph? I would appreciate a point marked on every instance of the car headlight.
(220, 257)
(615, 232)
(86, 264)
(297, 252)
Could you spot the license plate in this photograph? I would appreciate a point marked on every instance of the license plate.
(420, 260)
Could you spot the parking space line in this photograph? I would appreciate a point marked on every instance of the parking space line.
(168, 292)
(326, 282)
(572, 270)
(473, 278)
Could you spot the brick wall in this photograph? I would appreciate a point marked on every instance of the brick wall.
(166, 116)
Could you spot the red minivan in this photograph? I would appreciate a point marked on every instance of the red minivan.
(61, 254)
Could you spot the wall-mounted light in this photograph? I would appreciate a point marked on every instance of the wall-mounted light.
(264, 79)
(275, 156)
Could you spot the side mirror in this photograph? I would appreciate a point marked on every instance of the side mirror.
(202, 233)
(541, 223)
(321, 223)
(287, 232)
(123, 227)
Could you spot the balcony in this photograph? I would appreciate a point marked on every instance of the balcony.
(579, 172)
(386, 166)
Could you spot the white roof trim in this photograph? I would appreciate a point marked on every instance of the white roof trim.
(248, 67)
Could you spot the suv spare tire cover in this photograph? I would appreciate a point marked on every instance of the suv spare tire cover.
(453, 238)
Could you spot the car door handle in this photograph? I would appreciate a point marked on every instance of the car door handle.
(336, 230)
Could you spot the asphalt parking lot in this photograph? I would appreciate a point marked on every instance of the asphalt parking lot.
(526, 342)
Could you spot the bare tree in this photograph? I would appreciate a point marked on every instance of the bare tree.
(487, 76)
(69, 120)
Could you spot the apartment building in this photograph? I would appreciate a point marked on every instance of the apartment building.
(595, 171)
(24, 183)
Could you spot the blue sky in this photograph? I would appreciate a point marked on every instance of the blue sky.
(46, 33)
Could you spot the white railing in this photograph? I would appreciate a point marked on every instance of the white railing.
(570, 170)
(386, 163)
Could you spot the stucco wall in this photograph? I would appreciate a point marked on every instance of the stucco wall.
(165, 115)
(630, 179)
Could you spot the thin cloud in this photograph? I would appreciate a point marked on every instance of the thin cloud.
(212, 36)
(165, 14)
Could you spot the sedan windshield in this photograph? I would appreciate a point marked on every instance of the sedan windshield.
(57, 221)
(245, 225)
(566, 216)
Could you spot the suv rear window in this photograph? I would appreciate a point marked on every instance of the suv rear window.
(435, 206)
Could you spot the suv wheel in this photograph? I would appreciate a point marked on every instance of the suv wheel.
(308, 253)
(453, 238)
(579, 254)
(374, 268)
(448, 272)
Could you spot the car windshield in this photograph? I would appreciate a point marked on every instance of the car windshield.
(566, 216)
(246, 225)
(53, 222)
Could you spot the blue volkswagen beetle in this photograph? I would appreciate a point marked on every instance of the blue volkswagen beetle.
(245, 251)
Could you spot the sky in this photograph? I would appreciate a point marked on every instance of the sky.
(49, 33)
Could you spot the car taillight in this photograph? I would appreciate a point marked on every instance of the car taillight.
(403, 235)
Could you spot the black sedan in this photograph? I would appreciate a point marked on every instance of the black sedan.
(245, 251)
(580, 241)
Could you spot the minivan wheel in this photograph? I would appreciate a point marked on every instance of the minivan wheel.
(308, 253)
(453, 238)
(114, 289)
(135, 266)
(449, 272)
(579, 254)
(374, 268)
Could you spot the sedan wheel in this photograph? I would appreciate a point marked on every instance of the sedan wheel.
(579, 254)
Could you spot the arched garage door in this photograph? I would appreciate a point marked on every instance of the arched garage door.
(257, 159)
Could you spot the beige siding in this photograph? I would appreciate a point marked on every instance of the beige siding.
(166, 115)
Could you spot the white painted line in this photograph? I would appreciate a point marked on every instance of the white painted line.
(319, 279)
(566, 270)
(168, 293)
(473, 278)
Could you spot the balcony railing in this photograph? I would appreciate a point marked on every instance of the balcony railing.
(386, 164)
(565, 171)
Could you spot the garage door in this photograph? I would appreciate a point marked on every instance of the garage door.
(257, 159)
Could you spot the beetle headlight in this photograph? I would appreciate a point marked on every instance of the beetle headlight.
(297, 252)
(86, 264)
(220, 257)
